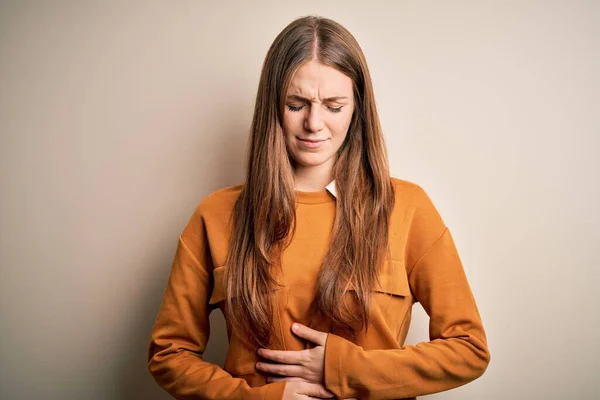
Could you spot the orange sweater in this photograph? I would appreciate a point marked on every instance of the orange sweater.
(424, 267)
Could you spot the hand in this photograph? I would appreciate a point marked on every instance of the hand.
(305, 390)
(297, 366)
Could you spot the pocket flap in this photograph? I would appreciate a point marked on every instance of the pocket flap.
(392, 279)
(396, 284)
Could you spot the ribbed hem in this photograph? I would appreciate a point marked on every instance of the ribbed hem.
(320, 196)
(333, 353)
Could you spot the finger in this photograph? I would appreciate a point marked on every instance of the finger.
(280, 369)
(305, 332)
(317, 390)
(284, 356)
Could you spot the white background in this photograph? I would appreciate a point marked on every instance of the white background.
(116, 118)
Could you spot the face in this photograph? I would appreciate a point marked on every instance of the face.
(318, 109)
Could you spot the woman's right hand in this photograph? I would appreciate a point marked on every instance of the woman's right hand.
(295, 390)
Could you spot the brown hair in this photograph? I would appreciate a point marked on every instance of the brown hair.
(264, 213)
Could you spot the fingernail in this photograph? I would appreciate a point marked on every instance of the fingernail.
(295, 327)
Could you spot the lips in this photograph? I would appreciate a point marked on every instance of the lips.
(309, 144)
(312, 140)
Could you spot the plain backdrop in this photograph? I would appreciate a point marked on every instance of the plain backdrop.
(117, 118)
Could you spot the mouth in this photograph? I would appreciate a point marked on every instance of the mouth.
(311, 143)
(312, 140)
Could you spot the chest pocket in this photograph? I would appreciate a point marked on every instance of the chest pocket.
(392, 280)
(391, 299)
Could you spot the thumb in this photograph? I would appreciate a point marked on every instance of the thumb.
(316, 390)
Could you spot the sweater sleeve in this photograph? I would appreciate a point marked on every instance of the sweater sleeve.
(181, 331)
(457, 352)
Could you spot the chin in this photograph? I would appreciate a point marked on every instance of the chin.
(311, 159)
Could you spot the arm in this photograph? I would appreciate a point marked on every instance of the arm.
(182, 329)
(457, 352)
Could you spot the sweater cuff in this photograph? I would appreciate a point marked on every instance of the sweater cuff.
(332, 368)
(274, 391)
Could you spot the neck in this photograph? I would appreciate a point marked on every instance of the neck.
(313, 178)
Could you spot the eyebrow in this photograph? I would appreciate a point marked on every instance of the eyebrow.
(298, 97)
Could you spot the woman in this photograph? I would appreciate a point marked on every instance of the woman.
(320, 238)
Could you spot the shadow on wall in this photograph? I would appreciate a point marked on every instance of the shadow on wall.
(134, 381)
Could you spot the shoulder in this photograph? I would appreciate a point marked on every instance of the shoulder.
(418, 218)
(220, 201)
(404, 186)
(213, 209)
(217, 197)
(409, 193)
(416, 206)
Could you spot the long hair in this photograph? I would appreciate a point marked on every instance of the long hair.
(264, 214)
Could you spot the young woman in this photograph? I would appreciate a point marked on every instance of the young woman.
(317, 258)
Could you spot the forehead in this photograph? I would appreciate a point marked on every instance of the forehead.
(314, 79)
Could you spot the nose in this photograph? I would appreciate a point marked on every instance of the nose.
(314, 121)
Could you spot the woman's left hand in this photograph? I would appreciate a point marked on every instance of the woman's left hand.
(289, 365)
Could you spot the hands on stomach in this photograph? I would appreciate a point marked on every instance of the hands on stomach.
(303, 371)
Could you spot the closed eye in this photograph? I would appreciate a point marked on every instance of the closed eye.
(298, 108)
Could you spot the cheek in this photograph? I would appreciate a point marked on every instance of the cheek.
(340, 126)
(291, 121)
